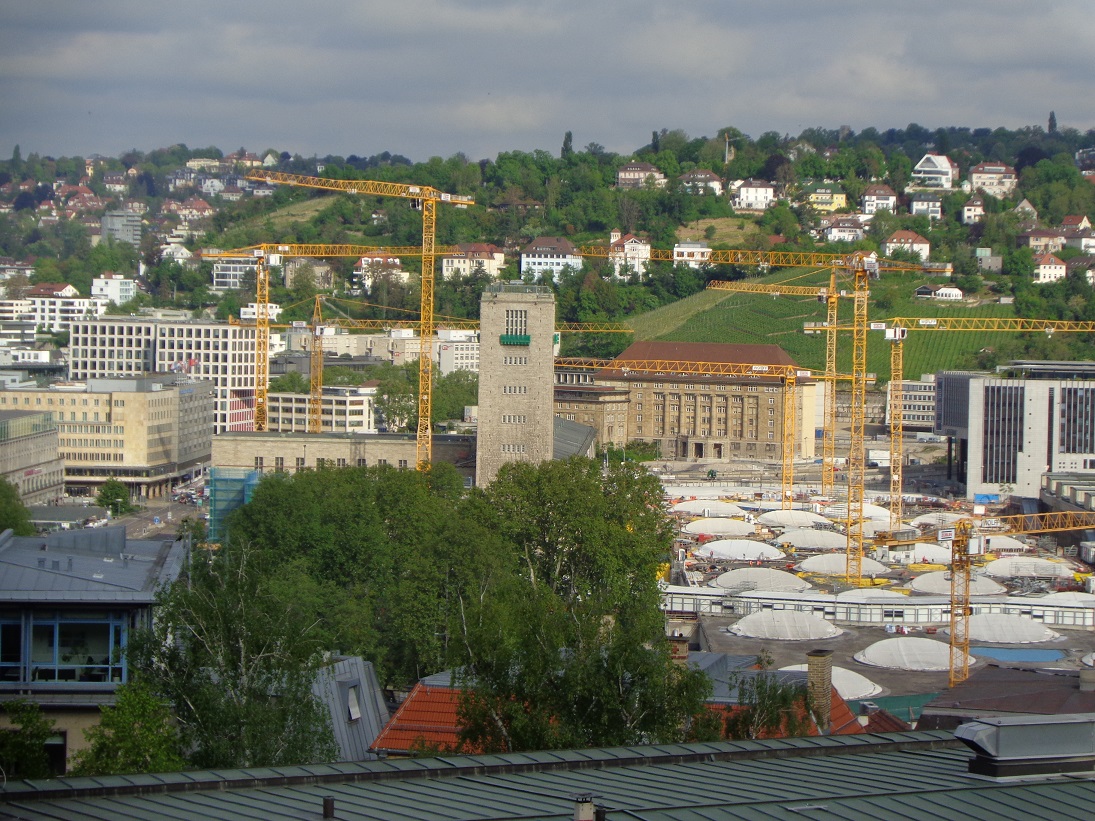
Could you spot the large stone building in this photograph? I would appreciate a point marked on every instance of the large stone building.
(1009, 430)
(713, 417)
(149, 433)
(578, 398)
(289, 452)
(29, 455)
(516, 354)
(219, 352)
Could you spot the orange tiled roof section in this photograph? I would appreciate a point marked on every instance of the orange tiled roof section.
(426, 720)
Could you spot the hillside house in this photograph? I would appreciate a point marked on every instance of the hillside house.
(1048, 268)
(1076, 221)
(845, 229)
(628, 253)
(692, 254)
(926, 204)
(639, 175)
(973, 211)
(879, 197)
(825, 196)
(935, 171)
(1041, 240)
(700, 181)
(993, 178)
(906, 241)
(546, 257)
(754, 195)
(472, 256)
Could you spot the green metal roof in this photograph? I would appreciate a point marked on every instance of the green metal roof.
(900, 775)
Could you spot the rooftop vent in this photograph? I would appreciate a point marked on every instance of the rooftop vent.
(1030, 745)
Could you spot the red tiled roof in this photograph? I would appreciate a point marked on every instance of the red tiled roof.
(426, 719)
(881, 721)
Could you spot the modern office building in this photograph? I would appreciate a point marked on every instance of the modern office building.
(122, 226)
(516, 377)
(219, 352)
(148, 432)
(917, 402)
(1010, 428)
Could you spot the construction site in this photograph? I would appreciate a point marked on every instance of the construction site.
(834, 549)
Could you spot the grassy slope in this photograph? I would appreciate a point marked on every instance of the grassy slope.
(759, 318)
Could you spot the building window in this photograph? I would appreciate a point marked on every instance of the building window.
(258, 463)
(279, 463)
(403, 464)
(300, 462)
(516, 322)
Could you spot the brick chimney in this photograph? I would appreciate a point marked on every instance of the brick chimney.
(678, 648)
(819, 687)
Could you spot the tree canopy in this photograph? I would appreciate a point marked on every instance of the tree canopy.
(13, 513)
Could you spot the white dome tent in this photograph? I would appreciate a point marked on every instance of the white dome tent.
(1027, 567)
(791, 518)
(712, 508)
(836, 564)
(938, 583)
(848, 683)
(810, 539)
(784, 625)
(761, 578)
(719, 527)
(940, 519)
(909, 653)
(869, 594)
(1002, 628)
(738, 550)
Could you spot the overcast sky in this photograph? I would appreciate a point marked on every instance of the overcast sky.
(429, 78)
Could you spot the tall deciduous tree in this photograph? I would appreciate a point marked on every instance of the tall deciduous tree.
(235, 656)
(568, 648)
(114, 496)
(23, 743)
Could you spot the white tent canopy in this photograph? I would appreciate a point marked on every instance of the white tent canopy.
(1027, 567)
(849, 684)
(939, 584)
(1003, 628)
(1066, 597)
(738, 549)
(908, 653)
(791, 518)
(761, 578)
(785, 625)
(837, 564)
(719, 527)
(872, 527)
(707, 507)
(810, 539)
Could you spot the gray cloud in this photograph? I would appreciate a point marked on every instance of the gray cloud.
(436, 77)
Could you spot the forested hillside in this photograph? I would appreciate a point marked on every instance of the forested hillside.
(570, 193)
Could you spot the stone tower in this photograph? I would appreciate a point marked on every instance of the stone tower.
(516, 377)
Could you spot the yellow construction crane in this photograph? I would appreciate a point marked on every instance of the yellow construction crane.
(426, 198)
(966, 544)
(788, 374)
(861, 267)
(898, 328)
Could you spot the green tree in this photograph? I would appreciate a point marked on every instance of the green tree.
(23, 744)
(565, 646)
(767, 706)
(114, 496)
(136, 735)
(235, 656)
(291, 382)
(13, 513)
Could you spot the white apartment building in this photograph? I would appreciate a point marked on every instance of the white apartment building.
(935, 171)
(547, 257)
(51, 307)
(692, 254)
(472, 256)
(997, 179)
(457, 351)
(754, 195)
(229, 272)
(917, 402)
(222, 353)
(343, 409)
(114, 288)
